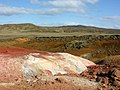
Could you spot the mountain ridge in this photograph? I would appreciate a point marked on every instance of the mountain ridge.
(31, 28)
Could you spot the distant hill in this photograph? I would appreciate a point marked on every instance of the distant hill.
(19, 28)
(31, 28)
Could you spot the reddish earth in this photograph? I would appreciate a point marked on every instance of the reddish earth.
(106, 73)
(12, 78)
(17, 52)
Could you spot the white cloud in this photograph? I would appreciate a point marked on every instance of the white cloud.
(73, 6)
(67, 5)
(115, 18)
(116, 26)
(78, 23)
(91, 1)
(71, 23)
(50, 7)
(7, 10)
(34, 1)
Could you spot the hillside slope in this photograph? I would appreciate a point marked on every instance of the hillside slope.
(31, 28)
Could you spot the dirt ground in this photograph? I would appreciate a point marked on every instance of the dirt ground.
(52, 83)
(104, 76)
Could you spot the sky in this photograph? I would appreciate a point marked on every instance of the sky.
(100, 13)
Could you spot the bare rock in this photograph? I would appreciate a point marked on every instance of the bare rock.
(116, 83)
(116, 73)
(27, 64)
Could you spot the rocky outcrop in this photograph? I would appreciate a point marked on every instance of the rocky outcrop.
(75, 44)
(81, 38)
(20, 63)
(106, 74)
(78, 42)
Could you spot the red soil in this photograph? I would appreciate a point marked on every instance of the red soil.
(17, 52)
(10, 68)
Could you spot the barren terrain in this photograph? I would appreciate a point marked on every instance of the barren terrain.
(101, 46)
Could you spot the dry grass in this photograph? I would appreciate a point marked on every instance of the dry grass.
(100, 48)
(108, 47)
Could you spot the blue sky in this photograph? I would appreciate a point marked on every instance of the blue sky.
(101, 13)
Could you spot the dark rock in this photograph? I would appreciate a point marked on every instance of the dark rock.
(75, 44)
(60, 80)
(98, 79)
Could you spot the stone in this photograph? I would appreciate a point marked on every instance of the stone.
(116, 83)
(27, 64)
(116, 73)
(106, 80)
